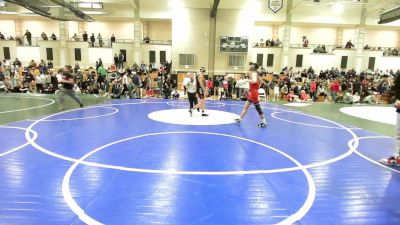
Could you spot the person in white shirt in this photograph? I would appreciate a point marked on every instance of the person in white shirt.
(185, 81)
(190, 85)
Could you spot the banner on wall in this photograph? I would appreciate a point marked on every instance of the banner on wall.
(275, 5)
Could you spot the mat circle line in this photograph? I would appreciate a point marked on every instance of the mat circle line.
(87, 219)
(322, 163)
(24, 109)
(273, 115)
(82, 118)
(18, 147)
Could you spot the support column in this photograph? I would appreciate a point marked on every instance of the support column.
(339, 37)
(63, 26)
(286, 35)
(359, 38)
(146, 28)
(81, 28)
(18, 28)
(275, 29)
(398, 39)
(138, 35)
(211, 47)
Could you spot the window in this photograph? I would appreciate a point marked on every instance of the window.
(270, 60)
(152, 56)
(163, 57)
(49, 53)
(236, 60)
(186, 59)
(299, 60)
(77, 54)
(260, 58)
(6, 51)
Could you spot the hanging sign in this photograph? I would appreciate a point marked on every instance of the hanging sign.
(275, 5)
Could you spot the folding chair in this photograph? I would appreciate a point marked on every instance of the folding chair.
(261, 93)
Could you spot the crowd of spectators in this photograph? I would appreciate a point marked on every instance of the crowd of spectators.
(331, 85)
(269, 42)
(130, 82)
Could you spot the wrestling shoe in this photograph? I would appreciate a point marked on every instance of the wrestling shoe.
(262, 125)
(238, 120)
(204, 114)
(391, 161)
(191, 112)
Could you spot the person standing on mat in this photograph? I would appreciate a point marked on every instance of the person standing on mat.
(201, 89)
(190, 85)
(395, 159)
(253, 97)
(67, 84)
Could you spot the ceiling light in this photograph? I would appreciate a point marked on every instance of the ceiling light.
(94, 12)
(10, 13)
(90, 5)
(174, 4)
(338, 7)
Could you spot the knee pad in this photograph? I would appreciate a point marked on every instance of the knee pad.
(258, 108)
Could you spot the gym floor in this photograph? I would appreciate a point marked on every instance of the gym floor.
(147, 161)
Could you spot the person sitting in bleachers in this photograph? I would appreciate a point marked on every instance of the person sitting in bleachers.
(395, 52)
(291, 97)
(175, 94)
(305, 42)
(146, 39)
(44, 36)
(349, 44)
(53, 37)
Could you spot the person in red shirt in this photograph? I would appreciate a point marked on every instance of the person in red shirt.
(335, 88)
(210, 86)
(304, 96)
(253, 96)
(313, 90)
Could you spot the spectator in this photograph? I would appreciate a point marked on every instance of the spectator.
(44, 36)
(115, 60)
(334, 87)
(92, 40)
(28, 36)
(367, 47)
(121, 59)
(278, 42)
(112, 39)
(2, 36)
(75, 37)
(349, 44)
(50, 65)
(100, 40)
(17, 62)
(85, 36)
(146, 39)
(305, 42)
(53, 37)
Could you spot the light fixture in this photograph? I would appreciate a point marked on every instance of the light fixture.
(338, 7)
(8, 13)
(94, 12)
(174, 4)
(89, 4)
